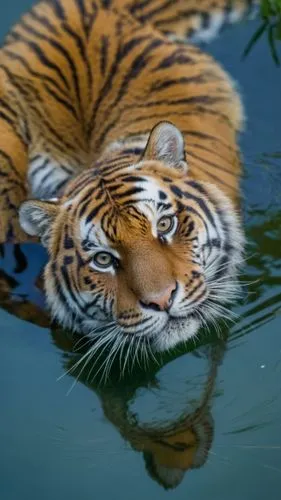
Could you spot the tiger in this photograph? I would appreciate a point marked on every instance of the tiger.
(119, 153)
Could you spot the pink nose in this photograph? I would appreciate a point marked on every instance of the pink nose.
(161, 301)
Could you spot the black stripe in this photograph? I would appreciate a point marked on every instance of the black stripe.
(69, 287)
(67, 260)
(39, 168)
(177, 57)
(205, 209)
(187, 14)
(68, 242)
(41, 76)
(106, 3)
(193, 291)
(46, 178)
(104, 53)
(129, 192)
(44, 21)
(59, 186)
(53, 133)
(7, 119)
(164, 84)
(197, 214)
(82, 183)
(196, 299)
(134, 178)
(36, 49)
(107, 86)
(216, 178)
(5, 105)
(94, 212)
(62, 101)
(209, 137)
(61, 49)
(82, 51)
(157, 10)
(82, 209)
(139, 63)
(10, 162)
(81, 8)
(58, 9)
(133, 151)
(210, 163)
(139, 5)
(214, 151)
(196, 99)
(136, 68)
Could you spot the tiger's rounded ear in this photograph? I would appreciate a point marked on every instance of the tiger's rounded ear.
(36, 218)
(166, 144)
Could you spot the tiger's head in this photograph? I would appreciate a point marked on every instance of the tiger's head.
(139, 251)
(170, 455)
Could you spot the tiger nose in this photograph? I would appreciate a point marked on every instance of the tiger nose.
(161, 301)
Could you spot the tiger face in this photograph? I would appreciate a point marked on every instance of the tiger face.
(139, 253)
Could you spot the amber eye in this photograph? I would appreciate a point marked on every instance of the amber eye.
(165, 224)
(103, 259)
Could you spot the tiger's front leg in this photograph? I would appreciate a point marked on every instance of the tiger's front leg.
(24, 173)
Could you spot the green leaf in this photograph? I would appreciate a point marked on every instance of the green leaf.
(265, 9)
(271, 40)
(277, 5)
(255, 38)
(277, 30)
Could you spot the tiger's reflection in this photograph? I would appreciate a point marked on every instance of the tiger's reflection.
(169, 450)
(183, 443)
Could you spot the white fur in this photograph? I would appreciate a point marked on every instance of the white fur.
(206, 35)
(46, 189)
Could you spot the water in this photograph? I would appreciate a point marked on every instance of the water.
(62, 441)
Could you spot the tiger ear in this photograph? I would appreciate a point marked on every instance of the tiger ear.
(166, 144)
(36, 218)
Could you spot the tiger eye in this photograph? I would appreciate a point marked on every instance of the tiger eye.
(103, 259)
(165, 224)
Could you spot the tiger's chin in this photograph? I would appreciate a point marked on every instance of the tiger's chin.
(176, 332)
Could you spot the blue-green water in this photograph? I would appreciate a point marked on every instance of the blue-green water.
(64, 442)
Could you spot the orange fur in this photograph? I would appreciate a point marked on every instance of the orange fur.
(37, 62)
(82, 84)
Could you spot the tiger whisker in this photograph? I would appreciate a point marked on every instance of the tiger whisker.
(80, 373)
(110, 340)
(137, 345)
(91, 351)
(124, 343)
(130, 344)
(103, 363)
(219, 309)
(144, 355)
(92, 335)
(152, 354)
(111, 358)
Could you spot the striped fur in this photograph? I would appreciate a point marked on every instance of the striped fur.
(82, 84)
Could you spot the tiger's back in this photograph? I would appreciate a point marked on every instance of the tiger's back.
(79, 76)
